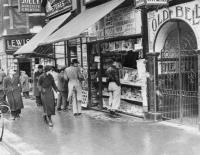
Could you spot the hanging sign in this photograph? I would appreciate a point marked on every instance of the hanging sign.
(58, 6)
(15, 42)
(88, 1)
(29, 6)
(139, 3)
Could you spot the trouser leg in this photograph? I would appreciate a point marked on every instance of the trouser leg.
(59, 101)
(79, 106)
(27, 93)
(75, 107)
(110, 100)
(64, 100)
(38, 100)
(74, 104)
(116, 98)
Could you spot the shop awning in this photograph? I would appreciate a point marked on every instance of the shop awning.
(47, 30)
(81, 22)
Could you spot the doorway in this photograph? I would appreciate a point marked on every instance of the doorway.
(178, 75)
(25, 65)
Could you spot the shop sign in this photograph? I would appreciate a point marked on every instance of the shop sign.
(188, 12)
(173, 67)
(29, 6)
(58, 6)
(121, 22)
(13, 44)
(139, 3)
(88, 1)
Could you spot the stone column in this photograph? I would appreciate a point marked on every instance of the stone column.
(199, 89)
(152, 82)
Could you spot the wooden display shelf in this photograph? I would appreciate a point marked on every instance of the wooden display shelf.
(137, 84)
(129, 83)
(124, 98)
(131, 99)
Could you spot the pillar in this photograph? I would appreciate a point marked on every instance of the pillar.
(152, 82)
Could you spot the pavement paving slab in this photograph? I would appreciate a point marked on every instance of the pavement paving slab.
(3, 150)
(95, 133)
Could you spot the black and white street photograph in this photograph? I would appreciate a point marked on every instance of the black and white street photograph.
(99, 77)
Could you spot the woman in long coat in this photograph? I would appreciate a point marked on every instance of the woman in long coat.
(12, 88)
(46, 85)
(24, 79)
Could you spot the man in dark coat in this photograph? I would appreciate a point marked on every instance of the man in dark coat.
(36, 92)
(46, 85)
(12, 88)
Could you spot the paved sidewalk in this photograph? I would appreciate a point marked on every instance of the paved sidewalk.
(3, 150)
(7, 150)
(95, 133)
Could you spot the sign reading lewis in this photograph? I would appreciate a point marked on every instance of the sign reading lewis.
(29, 6)
(13, 43)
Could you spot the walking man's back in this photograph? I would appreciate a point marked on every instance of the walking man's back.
(73, 75)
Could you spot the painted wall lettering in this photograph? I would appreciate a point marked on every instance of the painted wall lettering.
(192, 15)
(187, 12)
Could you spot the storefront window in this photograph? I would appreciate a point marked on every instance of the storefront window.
(132, 73)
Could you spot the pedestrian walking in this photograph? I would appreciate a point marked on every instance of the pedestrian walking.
(36, 91)
(24, 79)
(63, 91)
(114, 87)
(46, 85)
(74, 77)
(12, 88)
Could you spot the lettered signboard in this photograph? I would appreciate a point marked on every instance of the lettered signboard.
(139, 3)
(29, 6)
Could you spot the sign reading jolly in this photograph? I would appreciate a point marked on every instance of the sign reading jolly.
(29, 6)
(139, 3)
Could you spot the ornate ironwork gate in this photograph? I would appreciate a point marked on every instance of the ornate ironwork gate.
(178, 77)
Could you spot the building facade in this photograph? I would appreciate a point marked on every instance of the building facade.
(114, 30)
(174, 35)
(16, 29)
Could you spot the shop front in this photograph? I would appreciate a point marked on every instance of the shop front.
(12, 44)
(174, 34)
(117, 36)
(113, 30)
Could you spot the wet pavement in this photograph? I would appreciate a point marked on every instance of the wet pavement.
(3, 150)
(95, 133)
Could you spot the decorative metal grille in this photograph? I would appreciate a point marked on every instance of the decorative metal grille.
(178, 77)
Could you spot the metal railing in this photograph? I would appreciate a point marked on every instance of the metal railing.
(178, 84)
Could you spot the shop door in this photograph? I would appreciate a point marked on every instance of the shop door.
(25, 66)
(178, 76)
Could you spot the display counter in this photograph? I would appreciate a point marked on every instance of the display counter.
(133, 93)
